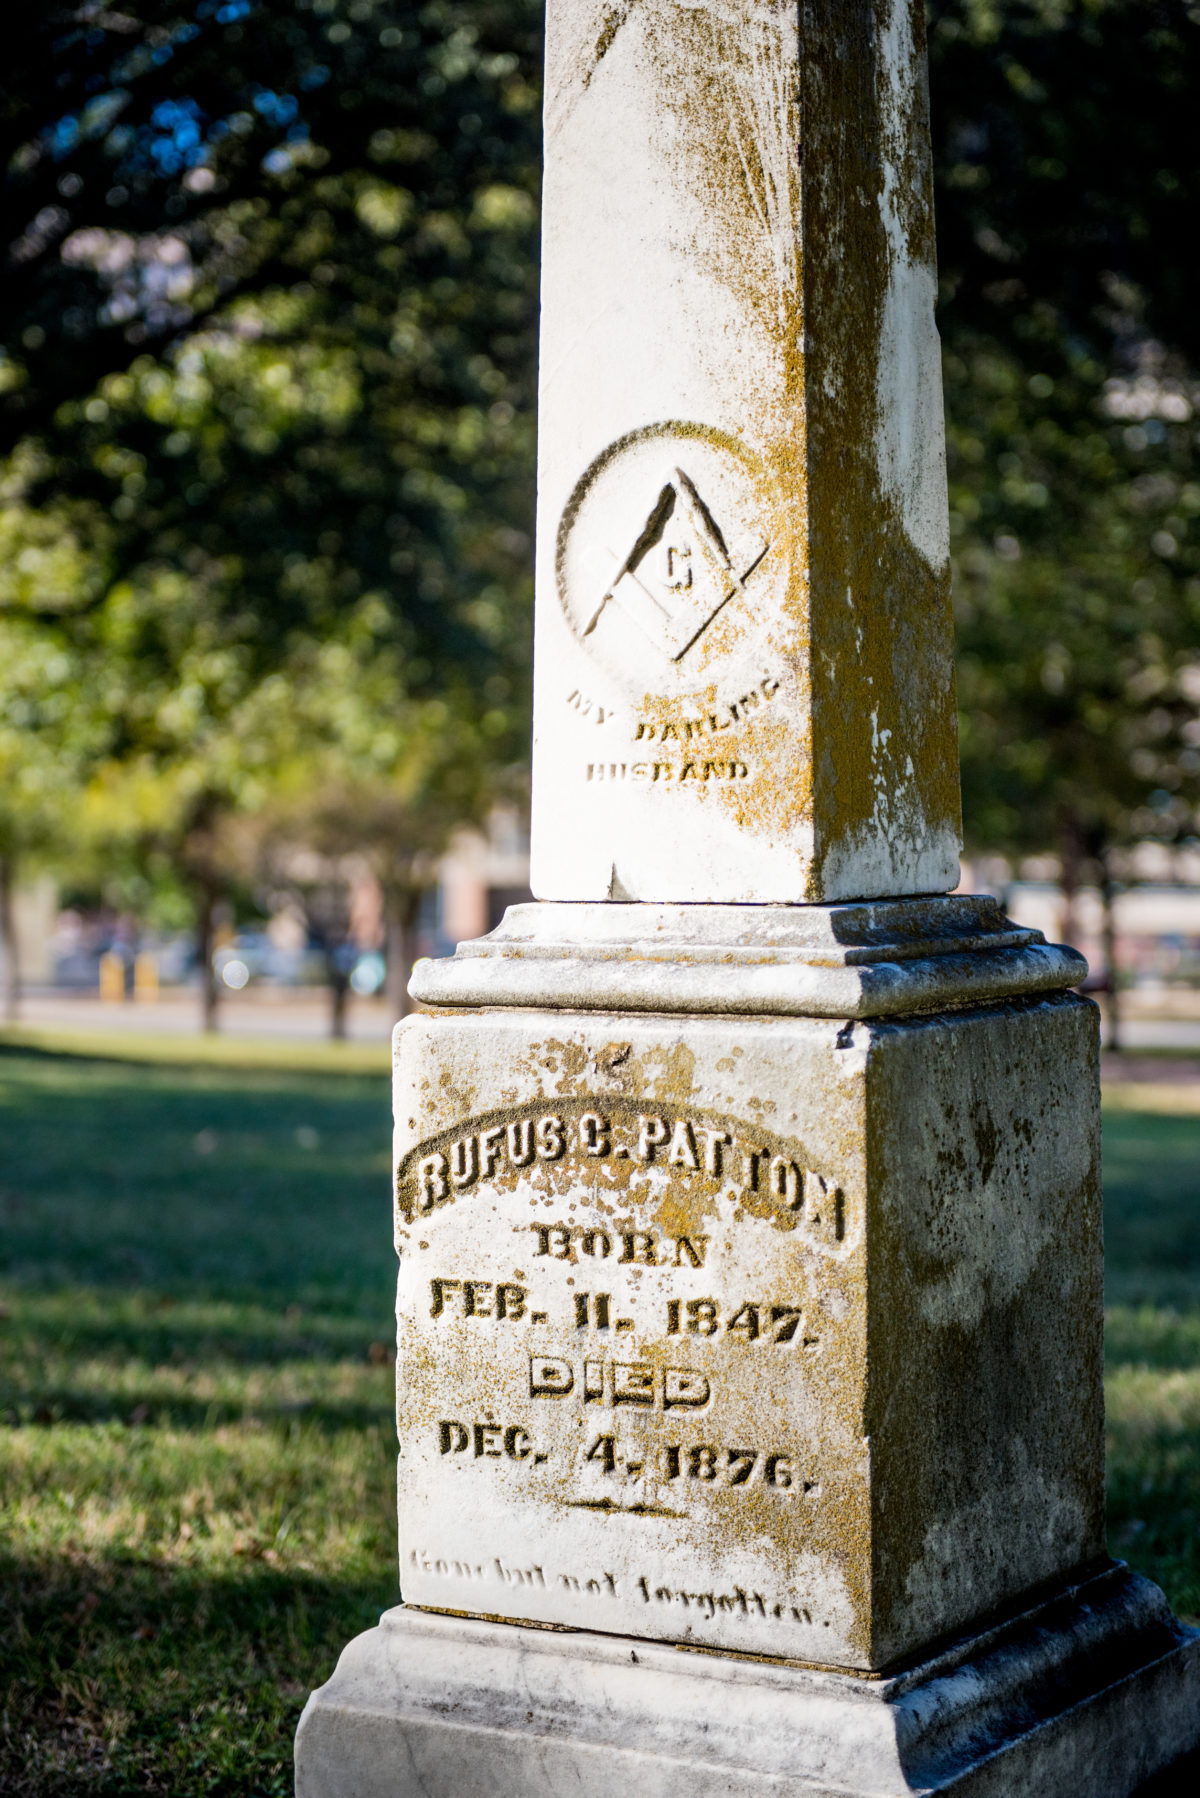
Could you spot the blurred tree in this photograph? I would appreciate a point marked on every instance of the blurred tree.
(1067, 167)
(360, 176)
(1079, 613)
(1078, 606)
(195, 761)
(268, 347)
(268, 343)
(1066, 160)
(48, 739)
(164, 157)
(376, 788)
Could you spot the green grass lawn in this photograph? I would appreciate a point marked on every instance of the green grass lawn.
(196, 1449)
(1152, 1244)
(196, 1456)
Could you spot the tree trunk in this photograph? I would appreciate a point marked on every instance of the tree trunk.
(1108, 938)
(400, 907)
(8, 941)
(339, 991)
(205, 944)
(1071, 857)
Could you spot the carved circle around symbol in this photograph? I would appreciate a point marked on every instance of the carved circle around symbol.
(664, 559)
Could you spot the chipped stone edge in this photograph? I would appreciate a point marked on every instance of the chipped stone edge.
(862, 959)
(837, 935)
(792, 988)
(1091, 1691)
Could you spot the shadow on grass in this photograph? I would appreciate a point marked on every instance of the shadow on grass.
(165, 1228)
(1152, 1347)
(140, 1406)
(185, 1337)
(1153, 1505)
(1152, 1209)
(251, 1053)
(128, 1675)
(196, 1183)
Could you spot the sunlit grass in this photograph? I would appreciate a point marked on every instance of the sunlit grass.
(196, 1464)
(154, 1047)
(196, 1448)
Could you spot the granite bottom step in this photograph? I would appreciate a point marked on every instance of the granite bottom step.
(1090, 1694)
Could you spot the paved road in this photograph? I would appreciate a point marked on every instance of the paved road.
(1160, 1033)
(262, 1012)
(288, 1012)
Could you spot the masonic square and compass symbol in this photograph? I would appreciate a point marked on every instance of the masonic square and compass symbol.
(677, 575)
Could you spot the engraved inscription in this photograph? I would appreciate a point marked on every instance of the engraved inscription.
(770, 1324)
(685, 727)
(492, 1439)
(667, 772)
(562, 1241)
(479, 1298)
(619, 1383)
(588, 708)
(738, 1601)
(756, 1165)
(701, 1461)
(624, 1320)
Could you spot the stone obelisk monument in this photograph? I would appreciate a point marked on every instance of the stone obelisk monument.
(747, 1190)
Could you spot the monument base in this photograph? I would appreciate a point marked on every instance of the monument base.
(1086, 1695)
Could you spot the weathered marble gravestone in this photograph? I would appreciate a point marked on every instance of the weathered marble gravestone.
(747, 1197)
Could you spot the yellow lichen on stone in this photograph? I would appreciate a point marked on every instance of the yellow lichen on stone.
(738, 282)
(746, 1287)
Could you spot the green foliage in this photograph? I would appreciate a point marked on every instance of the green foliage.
(320, 220)
(267, 368)
(1078, 604)
(1067, 164)
(163, 159)
(47, 739)
(1067, 161)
